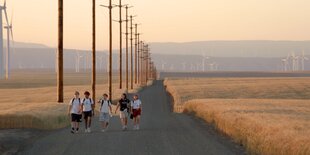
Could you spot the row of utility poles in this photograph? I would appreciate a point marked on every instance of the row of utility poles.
(142, 68)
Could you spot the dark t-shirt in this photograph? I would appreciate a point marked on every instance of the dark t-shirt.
(124, 104)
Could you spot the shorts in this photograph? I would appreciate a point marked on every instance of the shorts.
(104, 117)
(87, 114)
(76, 117)
(136, 112)
(123, 114)
(79, 118)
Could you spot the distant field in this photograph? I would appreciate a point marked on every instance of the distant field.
(45, 78)
(267, 115)
(28, 99)
(238, 88)
(227, 74)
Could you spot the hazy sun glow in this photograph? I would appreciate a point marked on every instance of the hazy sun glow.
(164, 20)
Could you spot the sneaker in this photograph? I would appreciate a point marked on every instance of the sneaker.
(134, 127)
(72, 131)
(86, 130)
(124, 128)
(102, 130)
(77, 131)
(138, 127)
(89, 131)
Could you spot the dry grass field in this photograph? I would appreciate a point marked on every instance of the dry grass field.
(238, 88)
(35, 107)
(267, 115)
(273, 127)
(46, 78)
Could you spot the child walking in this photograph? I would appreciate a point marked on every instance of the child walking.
(124, 105)
(136, 109)
(88, 107)
(105, 111)
(75, 112)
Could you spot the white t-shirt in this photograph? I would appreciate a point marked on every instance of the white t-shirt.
(104, 106)
(76, 105)
(136, 104)
(87, 104)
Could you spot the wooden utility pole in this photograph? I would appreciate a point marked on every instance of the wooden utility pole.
(120, 47)
(131, 54)
(127, 47)
(146, 63)
(136, 53)
(141, 62)
(138, 58)
(93, 83)
(110, 49)
(60, 91)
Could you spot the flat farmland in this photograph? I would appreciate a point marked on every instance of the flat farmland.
(266, 115)
(45, 78)
(238, 88)
(28, 99)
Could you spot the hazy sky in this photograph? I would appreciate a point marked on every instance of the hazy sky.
(164, 20)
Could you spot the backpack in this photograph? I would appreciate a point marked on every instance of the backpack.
(102, 101)
(74, 99)
(109, 102)
(91, 101)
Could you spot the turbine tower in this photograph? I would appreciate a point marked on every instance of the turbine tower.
(284, 64)
(2, 8)
(293, 59)
(9, 33)
(204, 59)
(303, 58)
(77, 62)
(163, 66)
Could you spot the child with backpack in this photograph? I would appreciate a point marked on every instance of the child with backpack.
(105, 111)
(88, 107)
(123, 104)
(136, 109)
(75, 111)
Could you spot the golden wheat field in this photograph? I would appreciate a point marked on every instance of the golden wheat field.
(267, 115)
(27, 107)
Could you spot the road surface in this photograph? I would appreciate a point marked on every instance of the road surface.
(162, 132)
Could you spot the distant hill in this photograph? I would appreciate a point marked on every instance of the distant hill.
(26, 45)
(223, 56)
(233, 48)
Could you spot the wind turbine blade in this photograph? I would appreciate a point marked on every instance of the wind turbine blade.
(6, 14)
(11, 28)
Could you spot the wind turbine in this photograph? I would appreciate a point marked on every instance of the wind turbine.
(216, 66)
(297, 63)
(9, 29)
(77, 62)
(184, 66)
(293, 58)
(2, 8)
(284, 64)
(163, 65)
(303, 58)
(192, 67)
(204, 59)
(211, 66)
(100, 61)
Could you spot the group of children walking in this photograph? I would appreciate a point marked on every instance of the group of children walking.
(85, 108)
